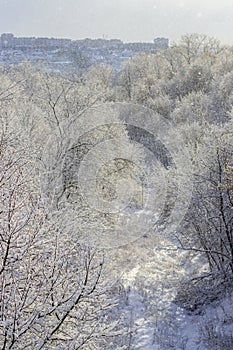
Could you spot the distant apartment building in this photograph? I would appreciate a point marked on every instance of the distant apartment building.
(7, 40)
(97, 43)
(161, 43)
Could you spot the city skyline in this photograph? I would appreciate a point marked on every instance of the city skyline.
(11, 38)
(129, 20)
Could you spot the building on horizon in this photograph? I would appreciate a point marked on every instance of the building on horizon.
(161, 43)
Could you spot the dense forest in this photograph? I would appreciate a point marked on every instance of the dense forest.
(116, 207)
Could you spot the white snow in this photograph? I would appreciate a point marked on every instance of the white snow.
(158, 323)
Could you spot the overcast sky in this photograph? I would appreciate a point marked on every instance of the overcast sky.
(129, 20)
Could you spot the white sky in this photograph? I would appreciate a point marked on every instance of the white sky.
(129, 20)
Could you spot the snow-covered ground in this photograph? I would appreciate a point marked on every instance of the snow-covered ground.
(157, 322)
